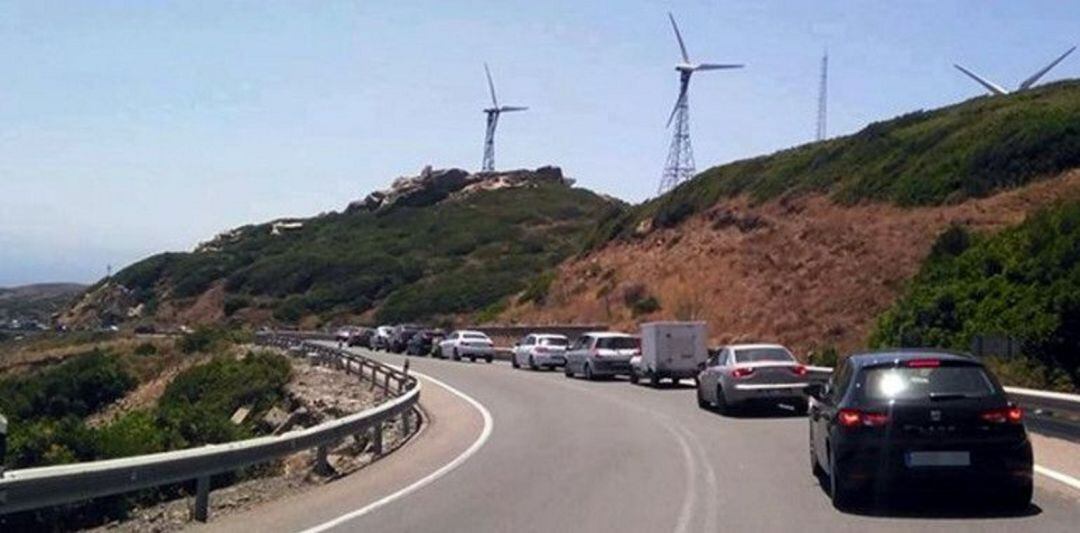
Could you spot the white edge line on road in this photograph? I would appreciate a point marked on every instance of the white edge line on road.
(418, 484)
(1058, 476)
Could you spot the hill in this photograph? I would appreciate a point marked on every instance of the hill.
(810, 245)
(1023, 282)
(439, 244)
(37, 302)
(945, 156)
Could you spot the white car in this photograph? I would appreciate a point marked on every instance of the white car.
(381, 339)
(471, 344)
(540, 350)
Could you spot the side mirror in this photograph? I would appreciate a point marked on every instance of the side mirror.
(815, 390)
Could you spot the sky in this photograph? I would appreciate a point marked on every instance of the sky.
(130, 128)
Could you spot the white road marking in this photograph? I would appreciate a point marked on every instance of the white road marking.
(445, 469)
(1058, 476)
(686, 512)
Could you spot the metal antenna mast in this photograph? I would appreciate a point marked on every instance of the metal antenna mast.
(493, 112)
(823, 98)
(680, 160)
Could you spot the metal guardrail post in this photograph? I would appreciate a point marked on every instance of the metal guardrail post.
(201, 512)
(3, 443)
(322, 466)
(386, 384)
(406, 427)
(376, 439)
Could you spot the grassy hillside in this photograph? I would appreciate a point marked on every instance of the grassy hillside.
(36, 302)
(1023, 283)
(923, 158)
(409, 262)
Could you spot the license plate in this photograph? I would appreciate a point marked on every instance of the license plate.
(917, 459)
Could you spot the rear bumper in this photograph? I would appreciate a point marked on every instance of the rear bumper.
(549, 360)
(993, 466)
(610, 367)
(475, 351)
(746, 392)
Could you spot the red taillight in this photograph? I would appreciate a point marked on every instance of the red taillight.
(923, 363)
(851, 418)
(741, 372)
(541, 349)
(1008, 415)
(798, 370)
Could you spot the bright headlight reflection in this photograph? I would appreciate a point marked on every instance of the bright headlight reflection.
(892, 383)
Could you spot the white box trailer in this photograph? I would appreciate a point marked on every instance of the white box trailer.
(670, 350)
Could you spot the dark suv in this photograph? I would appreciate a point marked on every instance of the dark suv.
(399, 337)
(918, 419)
(422, 343)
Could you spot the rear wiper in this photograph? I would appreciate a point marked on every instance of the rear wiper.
(949, 396)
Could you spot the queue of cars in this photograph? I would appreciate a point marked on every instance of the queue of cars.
(879, 421)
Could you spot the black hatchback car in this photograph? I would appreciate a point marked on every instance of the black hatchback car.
(918, 419)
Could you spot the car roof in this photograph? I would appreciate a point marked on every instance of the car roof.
(466, 331)
(548, 335)
(608, 334)
(754, 346)
(864, 359)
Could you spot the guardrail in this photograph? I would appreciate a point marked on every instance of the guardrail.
(33, 488)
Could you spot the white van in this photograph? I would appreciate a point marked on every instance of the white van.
(670, 350)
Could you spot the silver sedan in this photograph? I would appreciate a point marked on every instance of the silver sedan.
(744, 373)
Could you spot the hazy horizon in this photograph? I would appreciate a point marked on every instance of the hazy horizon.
(130, 129)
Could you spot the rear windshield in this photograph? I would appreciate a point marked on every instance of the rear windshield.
(618, 343)
(927, 383)
(553, 341)
(478, 336)
(757, 355)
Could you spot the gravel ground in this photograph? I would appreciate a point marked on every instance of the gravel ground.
(325, 394)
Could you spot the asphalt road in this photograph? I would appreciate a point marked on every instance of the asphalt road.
(568, 455)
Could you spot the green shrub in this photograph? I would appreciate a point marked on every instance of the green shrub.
(537, 290)
(1023, 283)
(644, 306)
(146, 349)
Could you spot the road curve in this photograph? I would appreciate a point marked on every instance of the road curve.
(569, 455)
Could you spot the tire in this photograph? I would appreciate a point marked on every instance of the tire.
(654, 380)
(1018, 498)
(815, 466)
(455, 355)
(489, 359)
(532, 364)
(722, 405)
(588, 373)
(513, 361)
(701, 400)
(472, 358)
(566, 371)
(842, 496)
(634, 378)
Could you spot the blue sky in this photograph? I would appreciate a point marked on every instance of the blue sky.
(128, 128)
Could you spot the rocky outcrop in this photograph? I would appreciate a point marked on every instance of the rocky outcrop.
(434, 186)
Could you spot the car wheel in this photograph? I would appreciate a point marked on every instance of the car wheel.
(815, 466)
(472, 358)
(456, 355)
(514, 362)
(566, 371)
(841, 495)
(588, 373)
(634, 378)
(1019, 498)
(722, 406)
(701, 400)
(654, 380)
(532, 364)
(488, 359)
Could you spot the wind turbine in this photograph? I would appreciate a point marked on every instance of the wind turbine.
(997, 89)
(680, 161)
(493, 113)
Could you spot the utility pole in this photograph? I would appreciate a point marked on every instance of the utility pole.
(823, 98)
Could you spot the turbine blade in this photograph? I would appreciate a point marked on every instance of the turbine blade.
(491, 86)
(718, 66)
(512, 108)
(682, 46)
(1035, 77)
(991, 86)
